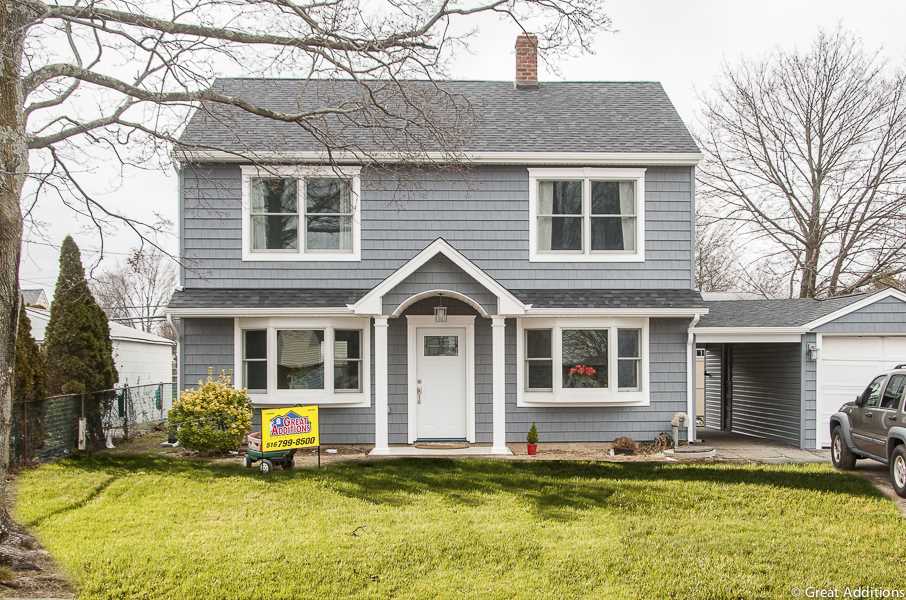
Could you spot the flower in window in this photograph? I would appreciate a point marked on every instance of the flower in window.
(583, 376)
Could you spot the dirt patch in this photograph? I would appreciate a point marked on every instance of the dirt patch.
(26, 569)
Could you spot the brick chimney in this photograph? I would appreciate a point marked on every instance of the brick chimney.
(526, 61)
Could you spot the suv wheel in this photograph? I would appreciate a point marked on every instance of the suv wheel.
(898, 470)
(841, 455)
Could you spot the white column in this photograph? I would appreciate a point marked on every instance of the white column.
(381, 444)
(498, 359)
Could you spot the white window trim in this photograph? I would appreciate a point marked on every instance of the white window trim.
(300, 173)
(561, 396)
(325, 397)
(587, 175)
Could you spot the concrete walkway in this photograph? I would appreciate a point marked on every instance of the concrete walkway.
(734, 447)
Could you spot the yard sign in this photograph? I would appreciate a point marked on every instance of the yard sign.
(288, 428)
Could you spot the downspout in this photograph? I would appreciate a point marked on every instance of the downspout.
(178, 382)
(690, 378)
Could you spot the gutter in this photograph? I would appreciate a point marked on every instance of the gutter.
(690, 379)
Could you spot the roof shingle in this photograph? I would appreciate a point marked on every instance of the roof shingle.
(792, 312)
(555, 117)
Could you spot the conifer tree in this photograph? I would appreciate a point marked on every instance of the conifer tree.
(30, 390)
(77, 342)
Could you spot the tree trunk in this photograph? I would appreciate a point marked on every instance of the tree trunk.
(13, 166)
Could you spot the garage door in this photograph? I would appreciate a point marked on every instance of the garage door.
(847, 365)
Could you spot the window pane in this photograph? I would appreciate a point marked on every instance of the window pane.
(628, 343)
(300, 360)
(256, 343)
(628, 374)
(872, 395)
(560, 198)
(540, 374)
(537, 343)
(441, 345)
(584, 358)
(274, 232)
(274, 195)
(328, 233)
(255, 375)
(613, 233)
(346, 375)
(347, 344)
(894, 391)
(612, 198)
(559, 233)
(325, 195)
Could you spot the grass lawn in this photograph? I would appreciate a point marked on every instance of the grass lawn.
(160, 527)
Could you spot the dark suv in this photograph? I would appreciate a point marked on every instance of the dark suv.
(874, 426)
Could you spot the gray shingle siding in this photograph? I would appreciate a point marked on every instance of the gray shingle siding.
(809, 393)
(206, 346)
(667, 346)
(884, 316)
(481, 211)
(439, 273)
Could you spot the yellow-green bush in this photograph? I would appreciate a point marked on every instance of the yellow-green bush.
(212, 418)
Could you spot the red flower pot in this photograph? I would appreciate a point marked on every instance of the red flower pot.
(532, 449)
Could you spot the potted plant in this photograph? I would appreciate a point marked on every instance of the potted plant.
(532, 439)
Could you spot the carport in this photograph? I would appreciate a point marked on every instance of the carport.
(777, 369)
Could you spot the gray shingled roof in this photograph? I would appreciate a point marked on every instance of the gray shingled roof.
(324, 298)
(793, 312)
(557, 116)
(263, 298)
(611, 298)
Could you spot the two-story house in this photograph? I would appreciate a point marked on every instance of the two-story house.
(548, 278)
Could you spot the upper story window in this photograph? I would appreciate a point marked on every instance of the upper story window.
(586, 215)
(300, 213)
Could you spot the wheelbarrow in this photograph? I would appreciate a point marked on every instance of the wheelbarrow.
(267, 460)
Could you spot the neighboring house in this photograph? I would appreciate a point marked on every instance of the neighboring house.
(141, 358)
(778, 369)
(561, 255)
(36, 298)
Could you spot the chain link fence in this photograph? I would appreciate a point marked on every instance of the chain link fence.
(50, 428)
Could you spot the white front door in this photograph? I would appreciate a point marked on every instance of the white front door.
(441, 383)
(848, 364)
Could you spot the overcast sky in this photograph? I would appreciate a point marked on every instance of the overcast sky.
(681, 44)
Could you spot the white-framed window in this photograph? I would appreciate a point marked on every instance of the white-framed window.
(586, 215)
(573, 361)
(301, 213)
(304, 360)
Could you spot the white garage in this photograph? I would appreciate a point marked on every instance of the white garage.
(846, 366)
(842, 343)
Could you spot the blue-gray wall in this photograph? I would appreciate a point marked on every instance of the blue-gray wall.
(481, 211)
(208, 343)
(809, 393)
(439, 273)
(884, 316)
(667, 370)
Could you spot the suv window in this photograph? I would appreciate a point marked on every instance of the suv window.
(871, 397)
(893, 392)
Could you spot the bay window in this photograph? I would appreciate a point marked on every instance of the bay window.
(300, 213)
(586, 215)
(599, 361)
(284, 360)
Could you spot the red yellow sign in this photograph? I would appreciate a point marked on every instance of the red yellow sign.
(288, 428)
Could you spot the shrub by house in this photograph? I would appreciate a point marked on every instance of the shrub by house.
(213, 418)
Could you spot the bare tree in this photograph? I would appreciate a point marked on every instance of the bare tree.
(716, 258)
(806, 154)
(89, 79)
(136, 291)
